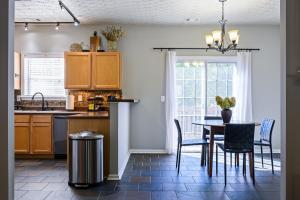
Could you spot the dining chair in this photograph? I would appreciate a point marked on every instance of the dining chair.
(190, 142)
(218, 137)
(238, 138)
(266, 130)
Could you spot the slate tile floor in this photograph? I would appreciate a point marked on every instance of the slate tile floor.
(148, 177)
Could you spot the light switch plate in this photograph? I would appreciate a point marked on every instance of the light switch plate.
(162, 99)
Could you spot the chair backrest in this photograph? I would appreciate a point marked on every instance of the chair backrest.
(212, 118)
(266, 130)
(178, 131)
(206, 131)
(239, 136)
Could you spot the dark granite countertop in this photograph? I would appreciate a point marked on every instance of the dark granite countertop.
(86, 115)
(124, 100)
(67, 114)
(53, 112)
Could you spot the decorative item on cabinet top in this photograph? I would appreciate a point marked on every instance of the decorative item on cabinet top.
(113, 34)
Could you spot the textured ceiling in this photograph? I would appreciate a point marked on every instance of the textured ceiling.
(151, 11)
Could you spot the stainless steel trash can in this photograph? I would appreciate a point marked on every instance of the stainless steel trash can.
(85, 159)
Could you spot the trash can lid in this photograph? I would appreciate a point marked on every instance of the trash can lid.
(85, 135)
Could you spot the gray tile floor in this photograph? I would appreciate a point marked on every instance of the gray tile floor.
(148, 177)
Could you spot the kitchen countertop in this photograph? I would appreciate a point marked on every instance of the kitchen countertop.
(87, 115)
(68, 114)
(47, 112)
(124, 100)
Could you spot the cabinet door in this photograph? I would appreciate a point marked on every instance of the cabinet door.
(22, 138)
(17, 71)
(106, 70)
(77, 70)
(41, 138)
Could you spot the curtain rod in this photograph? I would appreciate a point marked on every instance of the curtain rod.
(205, 49)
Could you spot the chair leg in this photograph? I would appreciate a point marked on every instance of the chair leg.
(253, 168)
(271, 151)
(203, 156)
(179, 158)
(217, 159)
(225, 168)
(237, 159)
(207, 155)
(177, 155)
(204, 148)
(244, 164)
(262, 156)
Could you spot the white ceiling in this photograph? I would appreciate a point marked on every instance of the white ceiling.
(151, 11)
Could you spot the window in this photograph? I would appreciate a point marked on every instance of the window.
(43, 73)
(198, 81)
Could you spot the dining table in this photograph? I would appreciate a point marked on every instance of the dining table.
(217, 127)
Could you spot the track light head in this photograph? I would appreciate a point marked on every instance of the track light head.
(57, 26)
(76, 22)
(26, 27)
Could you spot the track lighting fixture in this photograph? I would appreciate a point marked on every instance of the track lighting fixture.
(75, 21)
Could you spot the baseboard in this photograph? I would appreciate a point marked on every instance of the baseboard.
(113, 177)
(148, 151)
(123, 166)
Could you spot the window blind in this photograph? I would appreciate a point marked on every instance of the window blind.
(44, 74)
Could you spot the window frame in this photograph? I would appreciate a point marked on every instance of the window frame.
(206, 60)
(38, 55)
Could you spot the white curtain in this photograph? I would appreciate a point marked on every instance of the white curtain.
(170, 101)
(242, 88)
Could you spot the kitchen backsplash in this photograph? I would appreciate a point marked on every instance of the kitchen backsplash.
(29, 104)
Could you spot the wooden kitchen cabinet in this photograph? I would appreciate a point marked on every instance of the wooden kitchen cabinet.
(22, 138)
(77, 70)
(106, 70)
(41, 138)
(95, 70)
(33, 134)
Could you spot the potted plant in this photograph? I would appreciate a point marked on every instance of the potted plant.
(113, 34)
(225, 105)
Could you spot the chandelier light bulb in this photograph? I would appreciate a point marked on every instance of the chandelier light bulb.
(217, 36)
(209, 40)
(237, 40)
(233, 35)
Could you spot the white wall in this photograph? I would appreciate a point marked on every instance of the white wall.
(143, 68)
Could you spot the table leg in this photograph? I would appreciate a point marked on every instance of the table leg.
(211, 151)
(203, 152)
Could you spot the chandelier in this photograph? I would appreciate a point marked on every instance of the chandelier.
(217, 40)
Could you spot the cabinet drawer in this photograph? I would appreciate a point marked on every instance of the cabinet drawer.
(41, 118)
(22, 118)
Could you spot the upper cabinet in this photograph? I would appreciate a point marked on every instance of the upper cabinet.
(92, 70)
(77, 70)
(106, 70)
(17, 71)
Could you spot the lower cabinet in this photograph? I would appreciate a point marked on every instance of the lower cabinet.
(33, 134)
(22, 138)
(41, 138)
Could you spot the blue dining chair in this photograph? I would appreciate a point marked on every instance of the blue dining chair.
(265, 140)
(238, 138)
(182, 143)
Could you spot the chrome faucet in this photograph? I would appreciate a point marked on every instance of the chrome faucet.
(43, 99)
